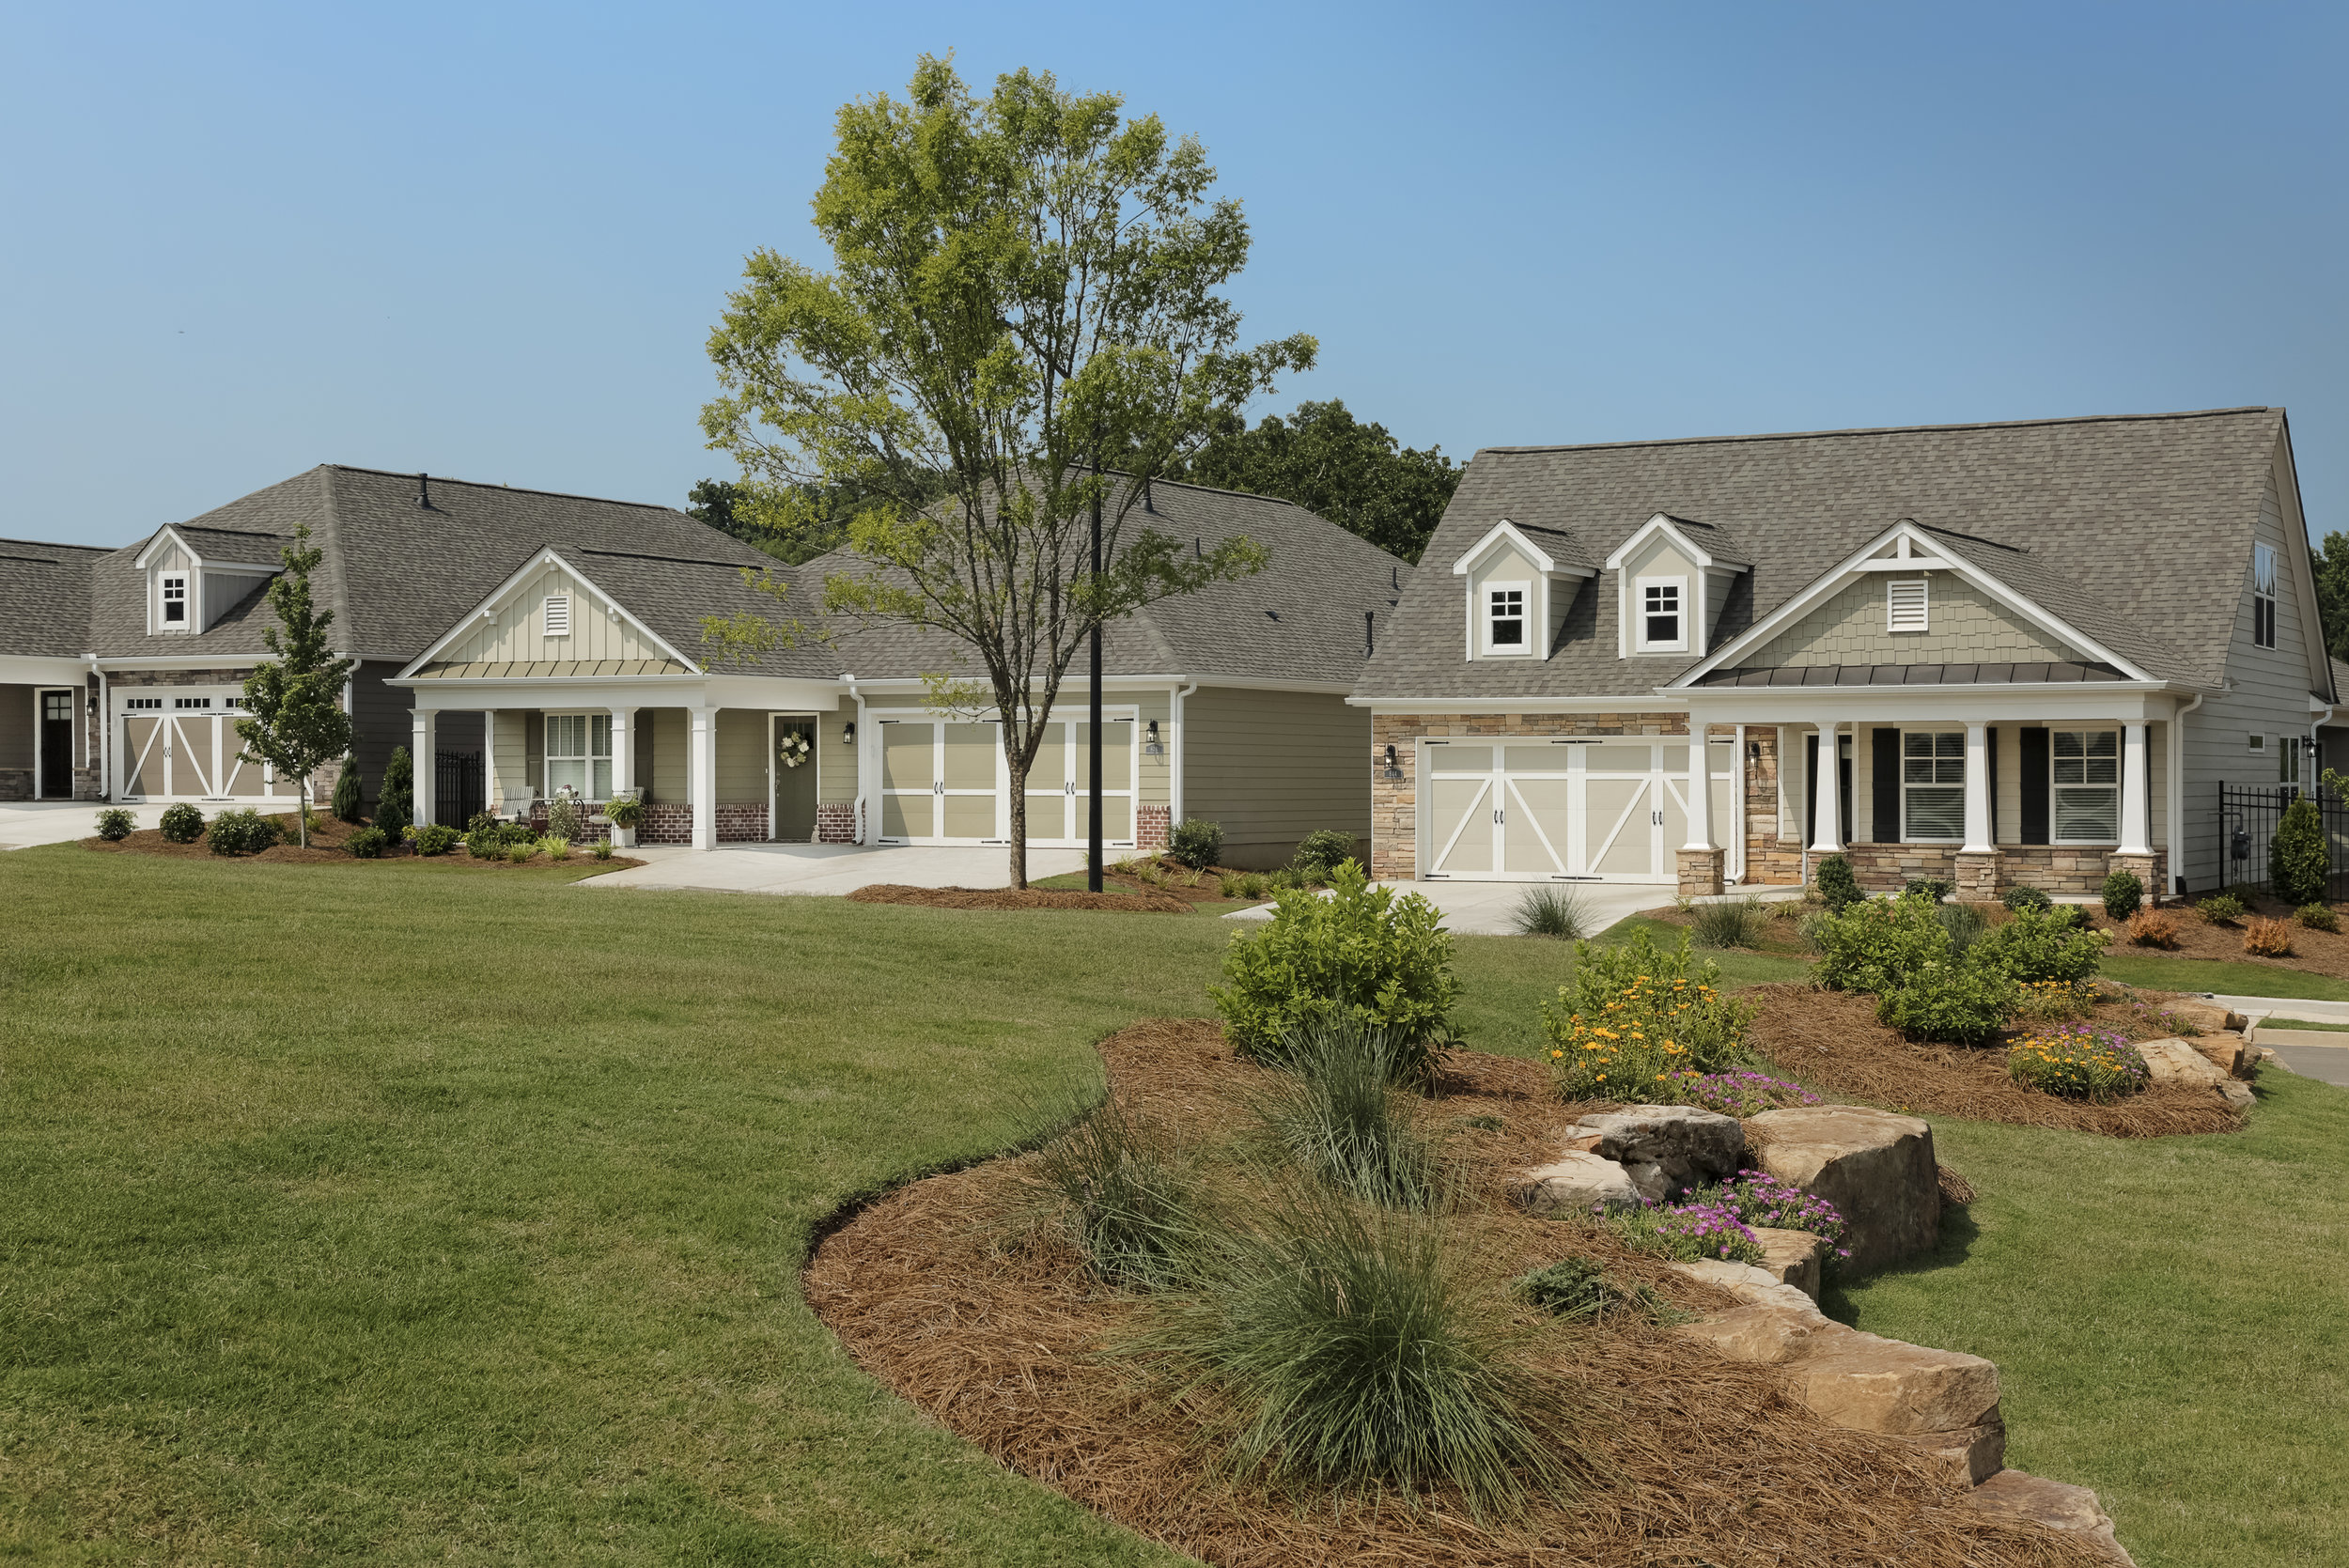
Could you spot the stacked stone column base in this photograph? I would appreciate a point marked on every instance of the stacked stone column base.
(2150, 871)
(1977, 876)
(1699, 872)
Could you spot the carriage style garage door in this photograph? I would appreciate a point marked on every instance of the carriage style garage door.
(185, 747)
(945, 782)
(1611, 810)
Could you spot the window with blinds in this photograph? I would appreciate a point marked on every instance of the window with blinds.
(1932, 786)
(1905, 604)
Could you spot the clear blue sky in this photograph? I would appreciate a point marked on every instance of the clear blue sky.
(490, 241)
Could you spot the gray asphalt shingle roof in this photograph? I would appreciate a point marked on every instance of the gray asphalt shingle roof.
(44, 597)
(2114, 524)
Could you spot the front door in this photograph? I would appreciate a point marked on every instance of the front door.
(795, 779)
(57, 745)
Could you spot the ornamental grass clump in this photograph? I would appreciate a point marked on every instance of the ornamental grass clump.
(1361, 952)
(1689, 1232)
(1339, 1116)
(1734, 923)
(1348, 1353)
(1551, 911)
(2264, 937)
(2078, 1062)
(1636, 1020)
(1123, 1197)
(1739, 1094)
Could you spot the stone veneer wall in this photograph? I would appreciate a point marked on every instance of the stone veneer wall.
(1393, 810)
(1769, 858)
(2077, 869)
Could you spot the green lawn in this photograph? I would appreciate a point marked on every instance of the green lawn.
(396, 1214)
(2222, 978)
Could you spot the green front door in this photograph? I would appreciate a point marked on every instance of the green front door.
(796, 781)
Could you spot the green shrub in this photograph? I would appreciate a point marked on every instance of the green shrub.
(2041, 944)
(1550, 911)
(521, 853)
(183, 823)
(1875, 943)
(1635, 1016)
(2299, 862)
(1950, 1003)
(368, 844)
(2078, 1062)
(563, 819)
(2220, 908)
(1934, 889)
(1362, 951)
(1196, 842)
(240, 833)
(486, 841)
(1574, 1288)
(1837, 886)
(115, 824)
(2022, 897)
(1321, 852)
(434, 839)
(1340, 1117)
(344, 802)
(2123, 895)
(1733, 922)
(1122, 1195)
(2317, 917)
(1351, 1354)
(600, 849)
(1965, 922)
(396, 809)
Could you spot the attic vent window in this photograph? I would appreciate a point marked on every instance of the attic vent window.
(1905, 604)
(558, 617)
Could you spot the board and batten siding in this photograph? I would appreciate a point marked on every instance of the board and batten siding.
(2268, 690)
(1272, 766)
(516, 630)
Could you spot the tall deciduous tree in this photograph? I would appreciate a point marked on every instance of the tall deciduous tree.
(298, 724)
(2332, 593)
(1326, 461)
(1024, 291)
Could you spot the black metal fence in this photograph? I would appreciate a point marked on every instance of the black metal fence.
(2247, 815)
(456, 785)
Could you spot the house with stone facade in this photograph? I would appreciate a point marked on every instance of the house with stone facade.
(2027, 652)
(522, 643)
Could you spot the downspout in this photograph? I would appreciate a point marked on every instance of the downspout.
(2174, 829)
(1738, 804)
(1174, 759)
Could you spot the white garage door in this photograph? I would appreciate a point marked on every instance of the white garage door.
(1611, 809)
(945, 782)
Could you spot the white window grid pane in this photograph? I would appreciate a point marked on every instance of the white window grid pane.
(1935, 814)
(2088, 816)
(567, 773)
(599, 780)
(566, 735)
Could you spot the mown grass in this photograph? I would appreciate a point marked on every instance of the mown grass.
(379, 1213)
(2223, 978)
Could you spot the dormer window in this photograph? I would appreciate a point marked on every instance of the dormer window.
(175, 601)
(2262, 595)
(1663, 624)
(1504, 617)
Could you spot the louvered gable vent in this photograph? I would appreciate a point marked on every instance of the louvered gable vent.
(1905, 604)
(558, 615)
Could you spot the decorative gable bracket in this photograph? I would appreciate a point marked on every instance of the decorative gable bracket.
(1516, 594)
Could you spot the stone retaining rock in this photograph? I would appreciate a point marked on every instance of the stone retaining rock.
(2231, 1053)
(2182, 1062)
(1579, 1183)
(1795, 1258)
(2208, 1016)
(1668, 1148)
(2011, 1496)
(1875, 1167)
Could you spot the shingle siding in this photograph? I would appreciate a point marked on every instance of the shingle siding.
(1963, 625)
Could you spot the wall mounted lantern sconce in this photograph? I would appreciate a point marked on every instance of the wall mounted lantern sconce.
(1753, 750)
(847, 732)
(1392, 770)
(1151, 746)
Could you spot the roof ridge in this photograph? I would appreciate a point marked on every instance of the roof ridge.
(670, 560)
(1889, 430)
(1219, 489)
(509, 489)
(44, 544)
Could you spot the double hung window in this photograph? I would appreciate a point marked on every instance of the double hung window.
(579, 754)
(1663, 624)
(2263, 595)
(1504, 618)
(1933, 786)
(2086, 786)
(175, 600)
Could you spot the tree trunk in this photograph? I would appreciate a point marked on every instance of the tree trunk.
(302, 812)
(1016, 768)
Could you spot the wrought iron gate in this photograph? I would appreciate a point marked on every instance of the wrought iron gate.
(455, 787)
(2247, 815)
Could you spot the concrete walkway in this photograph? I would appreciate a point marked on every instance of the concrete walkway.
(2322, 1054)
(827, 868)
(26, 823)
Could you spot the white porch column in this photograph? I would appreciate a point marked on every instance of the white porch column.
(2136, 826)
(493, 788)
(623, 750)
(420, 751)
(1699, 787)
(1976, 792)
(703, 750)
(1826, 829)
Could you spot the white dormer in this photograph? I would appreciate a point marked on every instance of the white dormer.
(1517, 593)
(1671, 582)
(186, 591)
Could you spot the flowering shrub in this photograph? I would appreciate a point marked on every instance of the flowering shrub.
(1758, 1198)
(2054, 1001)
(1635, 1019)
(1688, 1231)
(2041, 944)
(2078, 1062)
(1875, 944)
(1741, 1094)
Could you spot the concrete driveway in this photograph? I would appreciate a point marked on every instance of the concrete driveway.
(827, 868)
(26, 823)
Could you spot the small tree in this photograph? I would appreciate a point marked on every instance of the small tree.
(298, 724)
(2299, 862)
(346, 803)
(397, 809)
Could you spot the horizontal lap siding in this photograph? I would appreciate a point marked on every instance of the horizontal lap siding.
(17, 706)
(741, 756)
(382, 719)
(1272, 766)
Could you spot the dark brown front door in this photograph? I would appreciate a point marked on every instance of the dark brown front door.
(57, 745)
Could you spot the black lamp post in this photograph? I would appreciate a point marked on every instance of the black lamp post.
(1092, 737)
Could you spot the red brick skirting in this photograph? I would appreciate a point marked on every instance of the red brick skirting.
(835, 824)
(1153, 829)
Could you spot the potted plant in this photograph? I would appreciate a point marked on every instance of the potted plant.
(624, 812)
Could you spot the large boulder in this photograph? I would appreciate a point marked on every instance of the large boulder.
(1875, 1167)
(1796, 1258)
(1871, 1384)
(2010, 1497)
(1577, 1182)
(2185, 1063)
(1668, 1148)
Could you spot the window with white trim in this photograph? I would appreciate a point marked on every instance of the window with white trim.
(143, 703)
(558, 617)
(2084, 804)
(2287, 758)
(190, 702)
(2263, 595)
(1905, 604)
(1662, 610)
(1504, 617)
(579, 754)
(175, 601)
(1933, 786)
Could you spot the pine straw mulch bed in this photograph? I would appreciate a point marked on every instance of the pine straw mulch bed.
(327, 842)
(1831, 1040)
(2324, 952)
(1140, 902)
(948, 1291)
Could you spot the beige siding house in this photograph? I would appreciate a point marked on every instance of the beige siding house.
(2015, 653)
